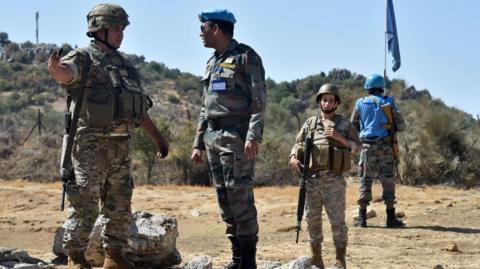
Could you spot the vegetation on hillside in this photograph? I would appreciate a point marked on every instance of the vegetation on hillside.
(440, 145)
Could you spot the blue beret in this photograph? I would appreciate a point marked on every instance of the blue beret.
(218, 14)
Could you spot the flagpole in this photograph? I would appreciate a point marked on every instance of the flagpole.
(385, 45)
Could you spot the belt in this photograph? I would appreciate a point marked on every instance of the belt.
(225, 122)
(374, 139)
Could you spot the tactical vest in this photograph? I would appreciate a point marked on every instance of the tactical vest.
(371, 116)
(113, 92)
(329, 154)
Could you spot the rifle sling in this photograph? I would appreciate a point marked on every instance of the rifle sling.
(76, 111)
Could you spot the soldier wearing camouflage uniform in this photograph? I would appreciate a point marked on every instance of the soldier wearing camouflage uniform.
(114, 104)
(377, 155)
(230, 129)
(333, 139)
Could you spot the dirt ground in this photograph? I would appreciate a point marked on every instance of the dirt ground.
(437, 218)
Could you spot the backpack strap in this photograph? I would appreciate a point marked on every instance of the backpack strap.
(313, 125)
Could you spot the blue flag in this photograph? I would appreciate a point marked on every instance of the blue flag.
(392, 36)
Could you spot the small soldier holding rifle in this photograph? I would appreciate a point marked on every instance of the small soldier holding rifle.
(333, 140)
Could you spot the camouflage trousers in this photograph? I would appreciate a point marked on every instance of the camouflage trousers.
(232, 175)
(102, 174)
(376, 159)
(326, 190)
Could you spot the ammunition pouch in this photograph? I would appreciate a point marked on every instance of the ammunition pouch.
(105, 106)
(320, 156)
(134, 105)
(340, 160)
(102, 107)
(326, 157)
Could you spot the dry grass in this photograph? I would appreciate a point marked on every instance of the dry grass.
(436, 217)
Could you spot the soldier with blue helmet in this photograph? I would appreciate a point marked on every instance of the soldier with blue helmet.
(230, 130)
(377, 155)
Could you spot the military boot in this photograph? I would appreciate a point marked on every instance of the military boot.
(236, 254)
(248, 260)
(76, 260)
(114, 259)
(362, 218)
(340, 261)
(317, 257)
(392, 221)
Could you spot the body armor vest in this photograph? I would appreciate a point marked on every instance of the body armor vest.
(113, 92)
(328, 154)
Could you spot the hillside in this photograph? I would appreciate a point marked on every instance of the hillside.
(439, 146)
(437, 218)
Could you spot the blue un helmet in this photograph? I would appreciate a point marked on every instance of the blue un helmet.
(374, 81)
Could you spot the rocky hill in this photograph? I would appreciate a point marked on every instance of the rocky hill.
(439, 146)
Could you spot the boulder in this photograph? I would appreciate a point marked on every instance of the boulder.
(151, 242)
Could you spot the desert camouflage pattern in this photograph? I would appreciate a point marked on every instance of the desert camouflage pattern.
(242, 98)
(325, 189)
(376, 159)
(340, 123)
(102, 174)
(101, 157)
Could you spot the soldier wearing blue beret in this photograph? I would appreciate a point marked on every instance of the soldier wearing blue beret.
(230, 130)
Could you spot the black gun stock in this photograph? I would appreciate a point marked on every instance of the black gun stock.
(303, 178)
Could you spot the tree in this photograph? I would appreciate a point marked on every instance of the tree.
(4, 39)
(145, 149)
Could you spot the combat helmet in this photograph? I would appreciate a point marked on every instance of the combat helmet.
(374, 81)
(328, 88)
(104, 16)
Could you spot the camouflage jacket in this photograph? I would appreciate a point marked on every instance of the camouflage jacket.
(341, 125)
(233, 85)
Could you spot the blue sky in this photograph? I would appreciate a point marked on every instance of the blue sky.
(439, 39)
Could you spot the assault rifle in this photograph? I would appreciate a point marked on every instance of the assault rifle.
(66, 167)
(303, 178)
(388, 110)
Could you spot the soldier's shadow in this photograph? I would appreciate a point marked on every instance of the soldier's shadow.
(437, 228)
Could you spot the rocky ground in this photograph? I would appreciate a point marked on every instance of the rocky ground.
(443, 224)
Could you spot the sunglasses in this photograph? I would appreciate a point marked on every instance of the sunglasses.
(203, 29)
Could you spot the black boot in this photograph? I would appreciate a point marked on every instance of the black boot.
(236, 254)
(392, 221)
(249, 251)
(362, 218)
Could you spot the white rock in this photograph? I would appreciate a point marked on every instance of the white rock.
(199, 262)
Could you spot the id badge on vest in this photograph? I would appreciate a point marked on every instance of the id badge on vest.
(219, 85)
